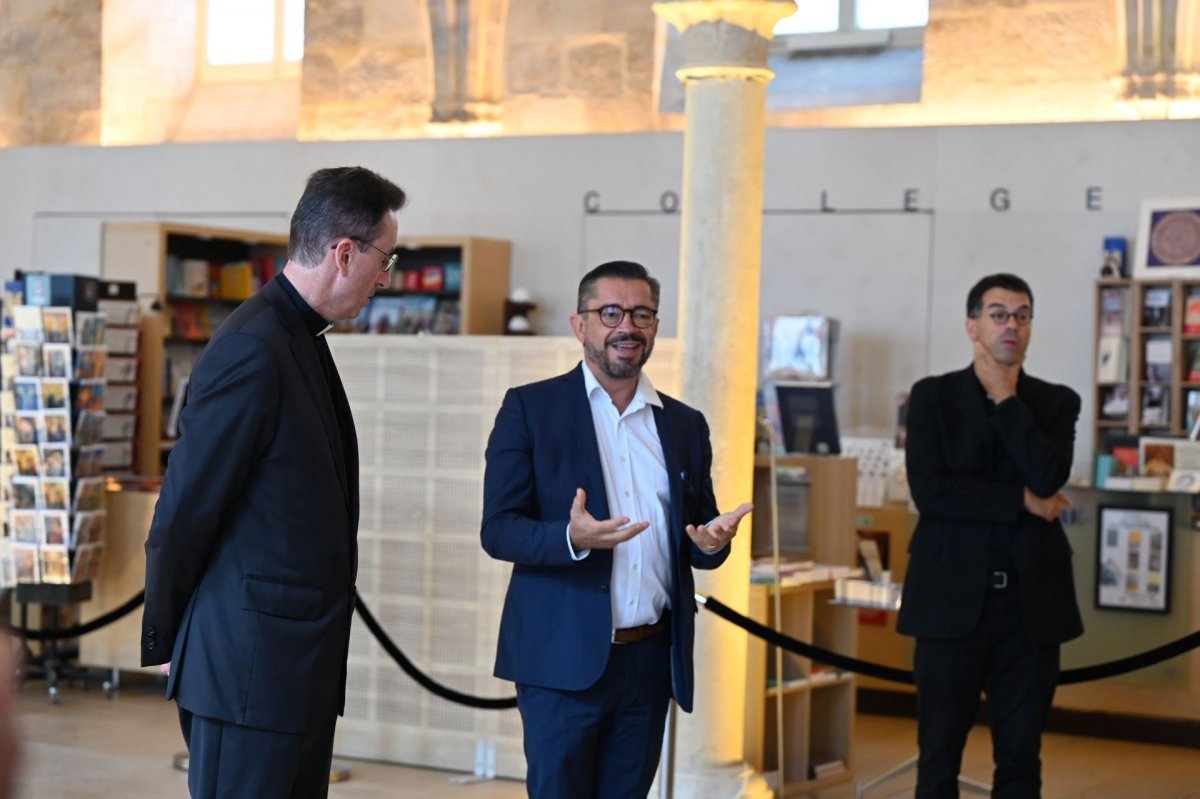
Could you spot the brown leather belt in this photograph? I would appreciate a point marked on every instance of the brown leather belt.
(631, 635)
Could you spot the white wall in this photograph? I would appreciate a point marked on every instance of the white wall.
(897, 281)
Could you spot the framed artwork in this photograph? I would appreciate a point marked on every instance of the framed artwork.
(1133, 559)
(1168, 240)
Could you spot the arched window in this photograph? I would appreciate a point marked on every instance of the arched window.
(251, 39)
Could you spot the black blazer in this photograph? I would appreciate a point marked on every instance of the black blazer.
(967, 471)
(556, 629)
(251, 557)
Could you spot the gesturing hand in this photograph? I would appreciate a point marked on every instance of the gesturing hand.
(1047, 508)
(720, 531)
(589, 533)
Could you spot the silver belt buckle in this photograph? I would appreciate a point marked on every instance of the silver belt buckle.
(999, 579)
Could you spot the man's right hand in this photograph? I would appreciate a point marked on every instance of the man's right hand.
(1047, 508)
(589, 533)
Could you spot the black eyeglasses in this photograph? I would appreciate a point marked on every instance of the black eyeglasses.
(1000, 316)
(389, 258)
(613, 315)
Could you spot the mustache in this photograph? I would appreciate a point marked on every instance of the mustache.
(617, 338)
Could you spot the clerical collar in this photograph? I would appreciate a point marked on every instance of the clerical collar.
(313, 321)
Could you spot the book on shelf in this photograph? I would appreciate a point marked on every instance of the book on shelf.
(762, 570)
(1192, 406)
(1114, 402)
(1114, 312)
(1111, 359)
(1191, 315)
(1156, 307)
(1159, 360)
(1155, 405)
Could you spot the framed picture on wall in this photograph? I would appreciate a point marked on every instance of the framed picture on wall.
(1168, 239)
(1133, 559)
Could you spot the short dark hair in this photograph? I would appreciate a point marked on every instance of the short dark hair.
(347, 201)
(1000, 280)
(622, 270)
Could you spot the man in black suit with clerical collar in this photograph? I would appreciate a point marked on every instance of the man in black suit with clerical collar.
(989, 593)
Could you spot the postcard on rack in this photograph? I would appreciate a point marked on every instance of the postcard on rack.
(25, 562)
(56, 460)
(90, 362)
(24, 526)
(87, 563)
(27, 393)
(56, 528)
(56, 323)
(54, 393)
(56, 427)
(89, 494)
(88, 529)
(56, 565)
(25, 493)
(29, 358)
(25, 458)
(27, 427)
(28, 321)
(8, 570)
(56, 360)
(56, 493)
(90, 329)
(90, 462)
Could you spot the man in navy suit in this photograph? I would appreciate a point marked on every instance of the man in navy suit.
(597, 489)
(252, 554)
(989, 593)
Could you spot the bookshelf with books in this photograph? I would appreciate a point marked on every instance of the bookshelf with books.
(1147, 360)
(442, 285)
(191, 278)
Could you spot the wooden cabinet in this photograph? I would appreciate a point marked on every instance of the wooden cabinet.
(195, 276)
(444, 284)
(1147, 359)
(830, 525)
(817, 701)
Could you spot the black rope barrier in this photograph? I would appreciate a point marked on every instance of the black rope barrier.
(84, 629)
(1097, 671)
(426, 682)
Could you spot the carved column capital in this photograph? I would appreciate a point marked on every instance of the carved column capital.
(724, 38)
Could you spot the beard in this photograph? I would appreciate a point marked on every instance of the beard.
(618, 369)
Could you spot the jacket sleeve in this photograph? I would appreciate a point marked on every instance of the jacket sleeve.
(228, 420)
(1042, 452)
(512, 529)
(707, 501)
(937, 489)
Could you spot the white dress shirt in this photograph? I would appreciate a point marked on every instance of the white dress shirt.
(635, 481)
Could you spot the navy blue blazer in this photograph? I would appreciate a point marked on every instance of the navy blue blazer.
(556, 629)
(967, 470)
(251, 557)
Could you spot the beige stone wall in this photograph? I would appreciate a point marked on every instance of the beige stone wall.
(49, 72)
(531, 67)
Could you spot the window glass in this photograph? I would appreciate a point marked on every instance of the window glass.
(812, 16)
(240, 32)
(876, 14)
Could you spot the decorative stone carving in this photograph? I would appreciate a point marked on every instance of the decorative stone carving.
(1158, 42)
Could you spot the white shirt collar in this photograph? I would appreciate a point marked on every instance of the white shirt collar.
(642, 396)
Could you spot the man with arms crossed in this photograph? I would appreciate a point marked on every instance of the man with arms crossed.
(989, 593)
(597, 489)
(252, 554)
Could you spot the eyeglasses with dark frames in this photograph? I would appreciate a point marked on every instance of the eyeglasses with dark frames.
(1000, 316)
(389, 258)
(613, 315)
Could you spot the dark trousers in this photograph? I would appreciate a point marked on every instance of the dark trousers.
(1019, 677)
(226, 761)
(603, 742)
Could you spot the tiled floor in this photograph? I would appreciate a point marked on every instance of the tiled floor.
(90, 748)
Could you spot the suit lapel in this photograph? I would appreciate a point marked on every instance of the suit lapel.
(585, 439)
(304, 350)
(968, 400)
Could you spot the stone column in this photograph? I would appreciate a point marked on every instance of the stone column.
(724, 44)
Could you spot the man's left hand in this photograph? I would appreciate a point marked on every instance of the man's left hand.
(720, 531)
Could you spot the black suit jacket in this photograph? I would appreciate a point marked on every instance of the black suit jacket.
(251, 557)
(967, 470)
(556, 630)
